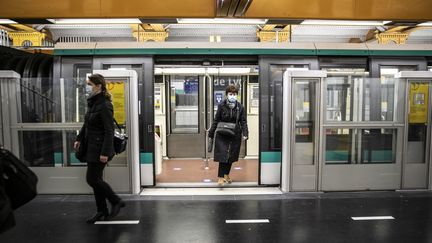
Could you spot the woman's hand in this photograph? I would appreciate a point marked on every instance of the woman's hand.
(76, 145)
(103, 159)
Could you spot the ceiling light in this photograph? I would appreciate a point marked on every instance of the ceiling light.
(341, 22)
(425, 24)
(221, 21)
(97, 21)
(7, 21)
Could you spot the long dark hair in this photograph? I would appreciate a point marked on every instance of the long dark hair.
(99, 79)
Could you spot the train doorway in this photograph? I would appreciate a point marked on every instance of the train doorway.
(186, 100)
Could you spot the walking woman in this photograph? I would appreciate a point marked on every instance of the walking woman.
(97, 135)
(227, 147)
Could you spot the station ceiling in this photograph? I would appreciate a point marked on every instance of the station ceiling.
(418, 10)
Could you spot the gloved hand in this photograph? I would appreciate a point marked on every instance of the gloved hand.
(245, 138)
(210, 145)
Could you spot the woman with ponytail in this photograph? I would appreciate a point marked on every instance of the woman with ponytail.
(97, 135)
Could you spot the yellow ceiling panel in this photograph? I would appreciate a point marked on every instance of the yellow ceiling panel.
(279, 9)
(342, 9)
(394, 9)
(295, 9)
(159, 8)
(107, 8)
(49, 8)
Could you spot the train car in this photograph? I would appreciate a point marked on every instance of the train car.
(321, 117)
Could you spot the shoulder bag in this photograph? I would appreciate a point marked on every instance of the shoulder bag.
(228, 128)
(120, 140)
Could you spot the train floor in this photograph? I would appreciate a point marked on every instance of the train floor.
(293, 217)
(194, 171)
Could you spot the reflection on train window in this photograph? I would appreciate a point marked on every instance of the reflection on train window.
(276, 94)
(38, 100)
(360, 146)
(379, 99)
(339, 146)
(41, 148)
(184, 104)
(339, 99)
(378, 146)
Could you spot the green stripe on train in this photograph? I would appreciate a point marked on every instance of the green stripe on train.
(377, 156)
(146, 158)
(231, 51)
(271, 157)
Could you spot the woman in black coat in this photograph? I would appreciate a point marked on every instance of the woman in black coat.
(227, 148)
(97, 135)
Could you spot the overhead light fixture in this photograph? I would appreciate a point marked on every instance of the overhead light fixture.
(221, 21)
(97, 21)
(425, 24)
(232, 8)
(342, 22)
(7, 21)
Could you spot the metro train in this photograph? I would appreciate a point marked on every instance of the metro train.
(322, 117)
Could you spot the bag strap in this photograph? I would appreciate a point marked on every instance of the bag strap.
(118, 126)
(238, 114)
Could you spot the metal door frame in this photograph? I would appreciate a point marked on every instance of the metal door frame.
(201, 112)
(426, 77)
(59, 179)
(132, 112)
(287, 125)
(316, 140)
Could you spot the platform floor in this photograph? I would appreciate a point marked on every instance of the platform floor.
(295, 217)
(194, 171)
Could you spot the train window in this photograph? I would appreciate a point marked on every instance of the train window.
(184, 97)
(276, 95)
(339, 146)
(339, 99)
(360, 146)
(377, 146)
(45, 149)
(379, 99)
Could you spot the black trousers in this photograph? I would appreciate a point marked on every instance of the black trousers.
(102, 190)
(224, 169)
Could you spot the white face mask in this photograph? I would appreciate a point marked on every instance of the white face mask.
(232, 98)
(89, 89)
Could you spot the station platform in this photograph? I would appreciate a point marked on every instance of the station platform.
(294, 217)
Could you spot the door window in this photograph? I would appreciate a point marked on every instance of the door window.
(184, 103)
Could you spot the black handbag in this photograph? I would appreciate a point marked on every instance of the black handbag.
(228, 128)
(20, 181)
(120, 140)
(80, 154)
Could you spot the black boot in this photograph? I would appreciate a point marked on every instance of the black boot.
(115, 209)
(99, 216)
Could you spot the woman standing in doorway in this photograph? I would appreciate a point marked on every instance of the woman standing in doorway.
(227, 147)
(97, 135)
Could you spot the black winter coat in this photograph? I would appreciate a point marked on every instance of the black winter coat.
(227, 149)
(97, 133)
(7, 219)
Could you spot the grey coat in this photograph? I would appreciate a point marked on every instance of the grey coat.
(97, 133)
(227, 149)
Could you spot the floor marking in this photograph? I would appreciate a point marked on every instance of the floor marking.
(372, 218)
(177, 169)
(118, 222)
(207, 180)
(237, 168)
(246, 221)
